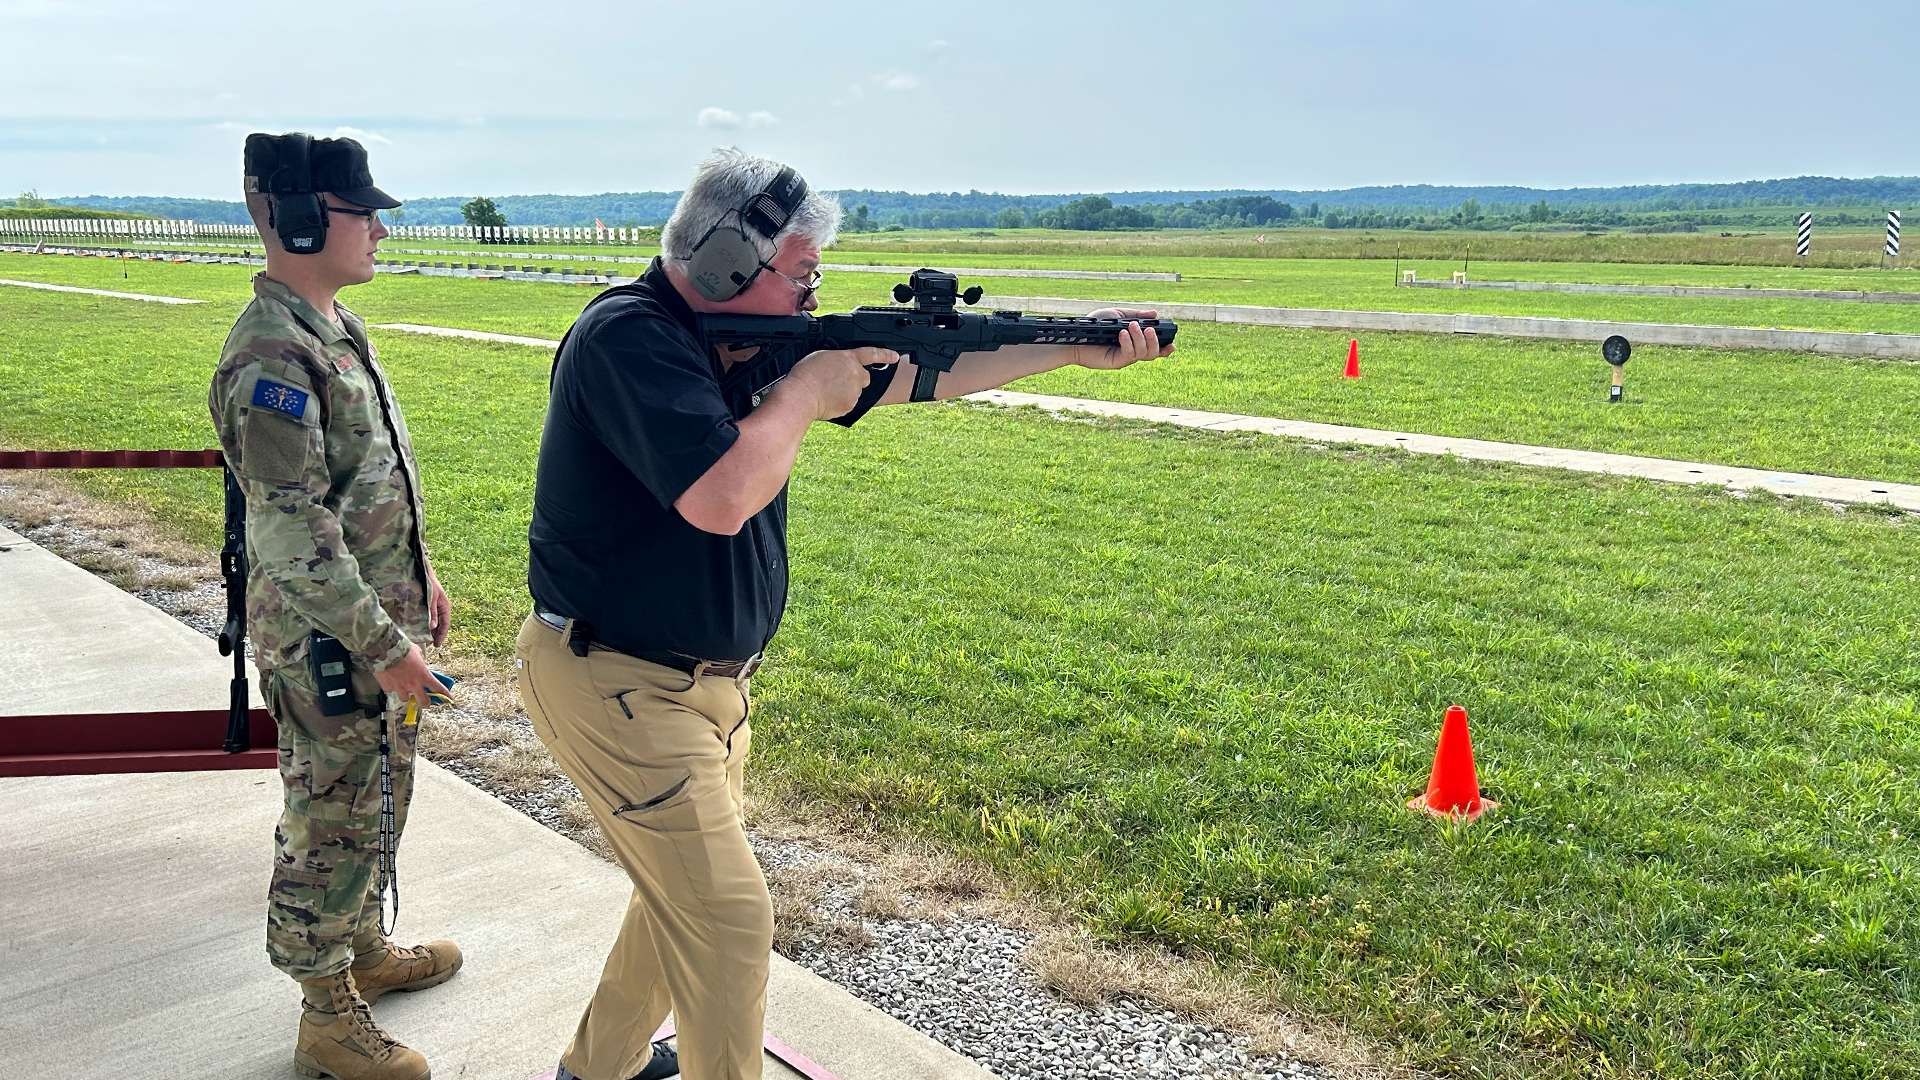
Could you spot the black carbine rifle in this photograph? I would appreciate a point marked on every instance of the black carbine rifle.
(233, 636)
(929, 333)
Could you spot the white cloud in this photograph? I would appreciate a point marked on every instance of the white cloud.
(938, 46)
(897, 80)
(361, 136)
(715, 117)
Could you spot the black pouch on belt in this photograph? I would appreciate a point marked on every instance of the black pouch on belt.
(332, 674)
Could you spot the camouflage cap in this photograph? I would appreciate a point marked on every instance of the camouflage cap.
(296, 163)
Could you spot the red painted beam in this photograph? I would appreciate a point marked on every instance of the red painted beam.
(110, 459)
(179, 741)
(135, 761)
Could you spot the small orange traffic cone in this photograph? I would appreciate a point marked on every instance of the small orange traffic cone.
(1353, 359)
(1453, 789)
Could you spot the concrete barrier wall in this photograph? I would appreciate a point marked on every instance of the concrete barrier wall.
(1698, 292)
(1828, 342)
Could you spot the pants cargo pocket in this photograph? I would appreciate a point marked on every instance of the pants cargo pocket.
(663, 801)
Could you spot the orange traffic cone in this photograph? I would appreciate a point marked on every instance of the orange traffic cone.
(1353, 359)
(1454, 787)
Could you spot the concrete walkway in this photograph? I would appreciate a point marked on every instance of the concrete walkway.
(100, 292)
(1825, 342)
(1831, 488)
(1702, 292)
(131, 932)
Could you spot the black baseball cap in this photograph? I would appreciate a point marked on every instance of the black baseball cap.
(294, 163)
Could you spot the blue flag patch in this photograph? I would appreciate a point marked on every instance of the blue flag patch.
(280, 398)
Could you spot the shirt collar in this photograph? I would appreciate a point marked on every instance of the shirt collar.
(322, 327)
(662, 287)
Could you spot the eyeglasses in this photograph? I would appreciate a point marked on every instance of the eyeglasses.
(807, 287)
(372, 216)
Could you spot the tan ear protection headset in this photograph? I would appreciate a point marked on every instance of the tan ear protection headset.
(725, 261)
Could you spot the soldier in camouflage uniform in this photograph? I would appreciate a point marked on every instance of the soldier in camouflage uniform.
(334, 544)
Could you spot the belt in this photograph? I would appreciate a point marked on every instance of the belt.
(582, 641)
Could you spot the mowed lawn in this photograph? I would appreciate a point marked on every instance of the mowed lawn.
(1791, 411)
(1359, 284)
(1186, 681)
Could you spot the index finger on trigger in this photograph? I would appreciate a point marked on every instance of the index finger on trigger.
(873, 354)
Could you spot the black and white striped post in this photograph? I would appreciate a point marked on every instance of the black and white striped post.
(1893, 238)
(1805, 243)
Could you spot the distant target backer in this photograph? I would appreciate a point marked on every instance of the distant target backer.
(1616, 350)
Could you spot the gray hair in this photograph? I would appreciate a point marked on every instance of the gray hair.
(724, 182)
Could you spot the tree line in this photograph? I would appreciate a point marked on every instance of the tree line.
(1673, 207)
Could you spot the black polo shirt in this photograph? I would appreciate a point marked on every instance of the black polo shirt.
(639, 410)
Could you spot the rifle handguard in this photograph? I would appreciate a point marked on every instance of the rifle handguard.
(931, 333)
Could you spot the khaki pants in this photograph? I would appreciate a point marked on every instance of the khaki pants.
(658, 756)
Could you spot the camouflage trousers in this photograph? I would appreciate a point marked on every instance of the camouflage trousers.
(324, 889)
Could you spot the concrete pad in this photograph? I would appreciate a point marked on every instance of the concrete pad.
(132, 933)
(75, 644)
(100, 292)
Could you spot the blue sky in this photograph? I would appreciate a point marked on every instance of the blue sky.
(486, 97)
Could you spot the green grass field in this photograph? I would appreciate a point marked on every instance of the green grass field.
(1186, 681)
(1369, 283)
(1796, 412)
(1838, 248)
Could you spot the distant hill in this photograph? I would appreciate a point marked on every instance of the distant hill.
(213, 210)
(1395, 206)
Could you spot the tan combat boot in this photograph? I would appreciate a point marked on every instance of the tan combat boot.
(338, 1037)
(396, 967)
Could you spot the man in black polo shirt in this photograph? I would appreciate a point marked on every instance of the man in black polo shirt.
(659, 575)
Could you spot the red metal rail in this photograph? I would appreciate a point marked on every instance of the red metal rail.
(79, 743)
(86, 743)
(110, 459)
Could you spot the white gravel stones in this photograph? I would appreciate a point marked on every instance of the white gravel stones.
(962, 982)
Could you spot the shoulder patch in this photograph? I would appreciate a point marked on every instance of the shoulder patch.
(279, 397)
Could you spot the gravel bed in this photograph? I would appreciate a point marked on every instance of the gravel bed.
(959, 980)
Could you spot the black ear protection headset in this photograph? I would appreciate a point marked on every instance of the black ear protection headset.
(725, 261)
(294, 209)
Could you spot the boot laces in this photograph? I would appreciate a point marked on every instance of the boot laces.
(366, 1031)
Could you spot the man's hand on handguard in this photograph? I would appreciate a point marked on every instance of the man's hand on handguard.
(835, 377)
(1135, 343)
(411, 678)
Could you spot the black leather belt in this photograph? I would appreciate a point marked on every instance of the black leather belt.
(581, 641)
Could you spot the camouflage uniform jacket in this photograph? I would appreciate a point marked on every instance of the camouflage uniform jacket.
(334, 510)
